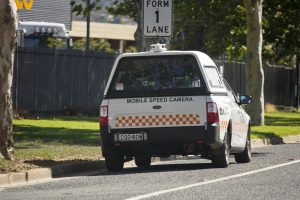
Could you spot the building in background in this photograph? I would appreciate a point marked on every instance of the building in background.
(120, 36)
(54, 11)
(118, 31)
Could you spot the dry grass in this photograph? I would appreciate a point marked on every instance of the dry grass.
(270, 108)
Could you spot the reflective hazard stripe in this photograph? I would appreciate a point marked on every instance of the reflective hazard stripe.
(223, 125)
(157, 120)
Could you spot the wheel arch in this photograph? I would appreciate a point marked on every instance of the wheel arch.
(229, 131)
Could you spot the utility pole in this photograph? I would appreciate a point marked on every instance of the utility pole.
(88, 20)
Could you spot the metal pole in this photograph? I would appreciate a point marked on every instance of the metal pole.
(17, 71)
(88, 19)
(297, 91)
(36, 81)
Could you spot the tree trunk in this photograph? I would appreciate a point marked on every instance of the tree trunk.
(8, 24)
(254, 69)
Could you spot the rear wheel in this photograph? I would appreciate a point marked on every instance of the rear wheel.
(245, 156)
(142, 161)
(221, 159)
(114, 161)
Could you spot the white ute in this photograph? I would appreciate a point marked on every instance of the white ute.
(162, 103)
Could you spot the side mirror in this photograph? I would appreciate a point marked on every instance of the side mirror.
(245, 99)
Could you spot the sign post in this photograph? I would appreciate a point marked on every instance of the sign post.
(157, 18)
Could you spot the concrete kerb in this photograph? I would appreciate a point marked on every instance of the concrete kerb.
(47, 173)
(85, 167)
(4, 179)
(18, 177)
(38, 174)
(292, 139)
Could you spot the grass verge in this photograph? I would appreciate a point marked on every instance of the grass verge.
(278, 124)
(49, 141)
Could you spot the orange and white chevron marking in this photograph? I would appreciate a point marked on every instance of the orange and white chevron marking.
(157, 120)
(223, 125)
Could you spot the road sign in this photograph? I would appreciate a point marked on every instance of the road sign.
(26, 4)
(157, 18)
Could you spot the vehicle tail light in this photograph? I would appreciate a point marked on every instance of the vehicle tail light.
(212, 112)
(103, 116)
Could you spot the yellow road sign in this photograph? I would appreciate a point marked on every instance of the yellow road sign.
(27, 4)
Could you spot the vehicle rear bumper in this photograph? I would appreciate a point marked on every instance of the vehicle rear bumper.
(163, 141)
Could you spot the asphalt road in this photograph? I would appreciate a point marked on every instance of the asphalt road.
(274, 173)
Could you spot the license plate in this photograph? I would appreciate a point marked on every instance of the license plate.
(131, 137)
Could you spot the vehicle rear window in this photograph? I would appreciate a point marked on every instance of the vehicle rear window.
(146, 76)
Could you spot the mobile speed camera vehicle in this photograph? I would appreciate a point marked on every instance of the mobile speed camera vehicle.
(162, 103)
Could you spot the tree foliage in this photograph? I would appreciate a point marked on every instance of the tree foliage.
(131, 49)
(96, 45)
(126, 7)
(281, 31)
(83, 8)
(217, 27)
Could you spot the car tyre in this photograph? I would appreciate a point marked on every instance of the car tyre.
(221, 159)
(245, 156)
(142, 161)
(114, 161)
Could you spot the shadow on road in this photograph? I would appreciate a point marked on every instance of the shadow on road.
(260, 154)
(161, 168)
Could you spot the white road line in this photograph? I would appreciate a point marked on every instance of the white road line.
(211, 181)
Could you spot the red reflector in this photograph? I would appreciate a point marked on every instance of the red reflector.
(212, 112)
(103, 121)
(104, 116)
